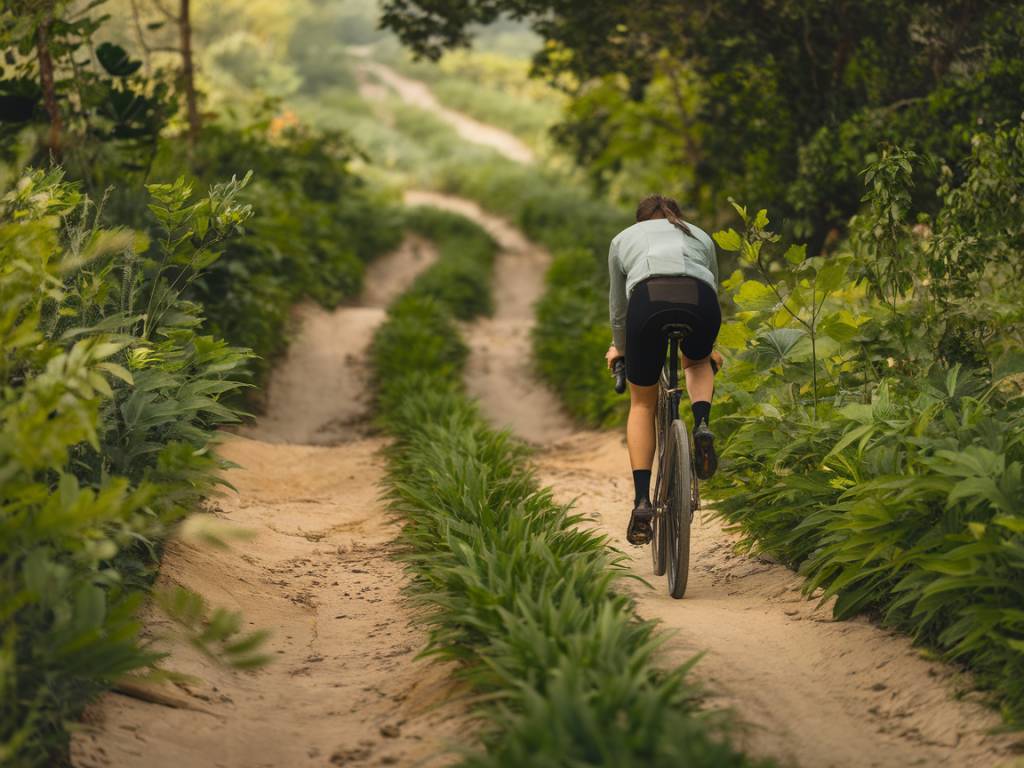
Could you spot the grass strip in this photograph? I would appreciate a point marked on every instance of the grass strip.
(518, 593)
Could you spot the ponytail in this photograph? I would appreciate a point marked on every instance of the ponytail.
(667, 207)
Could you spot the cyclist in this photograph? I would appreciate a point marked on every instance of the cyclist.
(663, 270)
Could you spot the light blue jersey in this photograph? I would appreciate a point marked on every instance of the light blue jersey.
(655, 247)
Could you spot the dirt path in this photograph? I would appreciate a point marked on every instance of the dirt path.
(416, 94)
(810, 691)
(344, 688)
(499, 373)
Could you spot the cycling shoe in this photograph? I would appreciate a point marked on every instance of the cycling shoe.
(704, 450)
(639, 531)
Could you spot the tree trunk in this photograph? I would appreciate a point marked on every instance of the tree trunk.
(188, 75)
(46, 81)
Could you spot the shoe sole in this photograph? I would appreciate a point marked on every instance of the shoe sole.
(707, 459)
(645, 535)
(642, 532)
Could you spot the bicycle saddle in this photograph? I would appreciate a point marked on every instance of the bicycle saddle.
(677, 330)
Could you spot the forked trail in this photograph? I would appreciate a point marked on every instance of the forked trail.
(345, 688)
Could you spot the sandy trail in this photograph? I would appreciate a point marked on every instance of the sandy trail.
(499, 372)
(344, 688)
(319, 395)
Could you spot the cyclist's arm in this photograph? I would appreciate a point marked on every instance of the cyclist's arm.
(617, 298)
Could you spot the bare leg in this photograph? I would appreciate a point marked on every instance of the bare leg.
(700, 379)
(643, 403)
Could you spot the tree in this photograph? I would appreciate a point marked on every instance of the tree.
(43, 31)
(789, 97)
(188, 73)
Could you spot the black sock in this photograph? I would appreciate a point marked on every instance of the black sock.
(641, 485)
(701, 412)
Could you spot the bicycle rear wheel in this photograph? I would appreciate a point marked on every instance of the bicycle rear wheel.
(665, 416)
(678, 510)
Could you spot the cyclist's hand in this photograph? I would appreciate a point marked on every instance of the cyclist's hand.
(612, 355)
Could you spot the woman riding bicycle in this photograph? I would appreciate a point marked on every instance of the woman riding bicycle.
(663, 271)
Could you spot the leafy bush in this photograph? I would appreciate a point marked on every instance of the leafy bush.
(108, 407)
(317, 224)
(460, 280)
(572, 334)
(877, 442)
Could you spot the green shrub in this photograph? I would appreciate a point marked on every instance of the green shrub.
(108, 406)
(861, 453)
(460, 280)
(572, 336)
(316, 226)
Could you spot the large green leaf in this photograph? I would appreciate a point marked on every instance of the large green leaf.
(755, 295)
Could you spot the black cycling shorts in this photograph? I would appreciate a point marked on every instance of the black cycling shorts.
(657, 302)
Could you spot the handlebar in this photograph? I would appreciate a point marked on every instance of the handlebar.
(619, 370)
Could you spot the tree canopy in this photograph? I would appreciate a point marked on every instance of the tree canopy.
(776, 101)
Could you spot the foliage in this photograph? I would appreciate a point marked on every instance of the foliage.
(886, 466)
(111, 112)
(316, 227)
(517, 594)
(460, 280)
(490, 87)
(571, 333)
(780, 102)
(108, 408)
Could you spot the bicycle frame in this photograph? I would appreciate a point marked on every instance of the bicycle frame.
(673, 392)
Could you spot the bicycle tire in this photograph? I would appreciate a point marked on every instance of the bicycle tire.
(678, 509)
(659, 553)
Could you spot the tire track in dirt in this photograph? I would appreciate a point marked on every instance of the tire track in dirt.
(344, 687)
(500, 374)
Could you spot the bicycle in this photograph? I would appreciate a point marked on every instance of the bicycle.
(676, 491)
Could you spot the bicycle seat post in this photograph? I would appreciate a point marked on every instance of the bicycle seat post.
(676, 332)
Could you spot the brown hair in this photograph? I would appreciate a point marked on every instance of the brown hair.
(661, 207)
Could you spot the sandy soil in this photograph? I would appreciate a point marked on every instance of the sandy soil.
(344, 687)
(319, 394)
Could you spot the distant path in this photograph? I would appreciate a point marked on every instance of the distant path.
(500, 371)
(416, 94)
